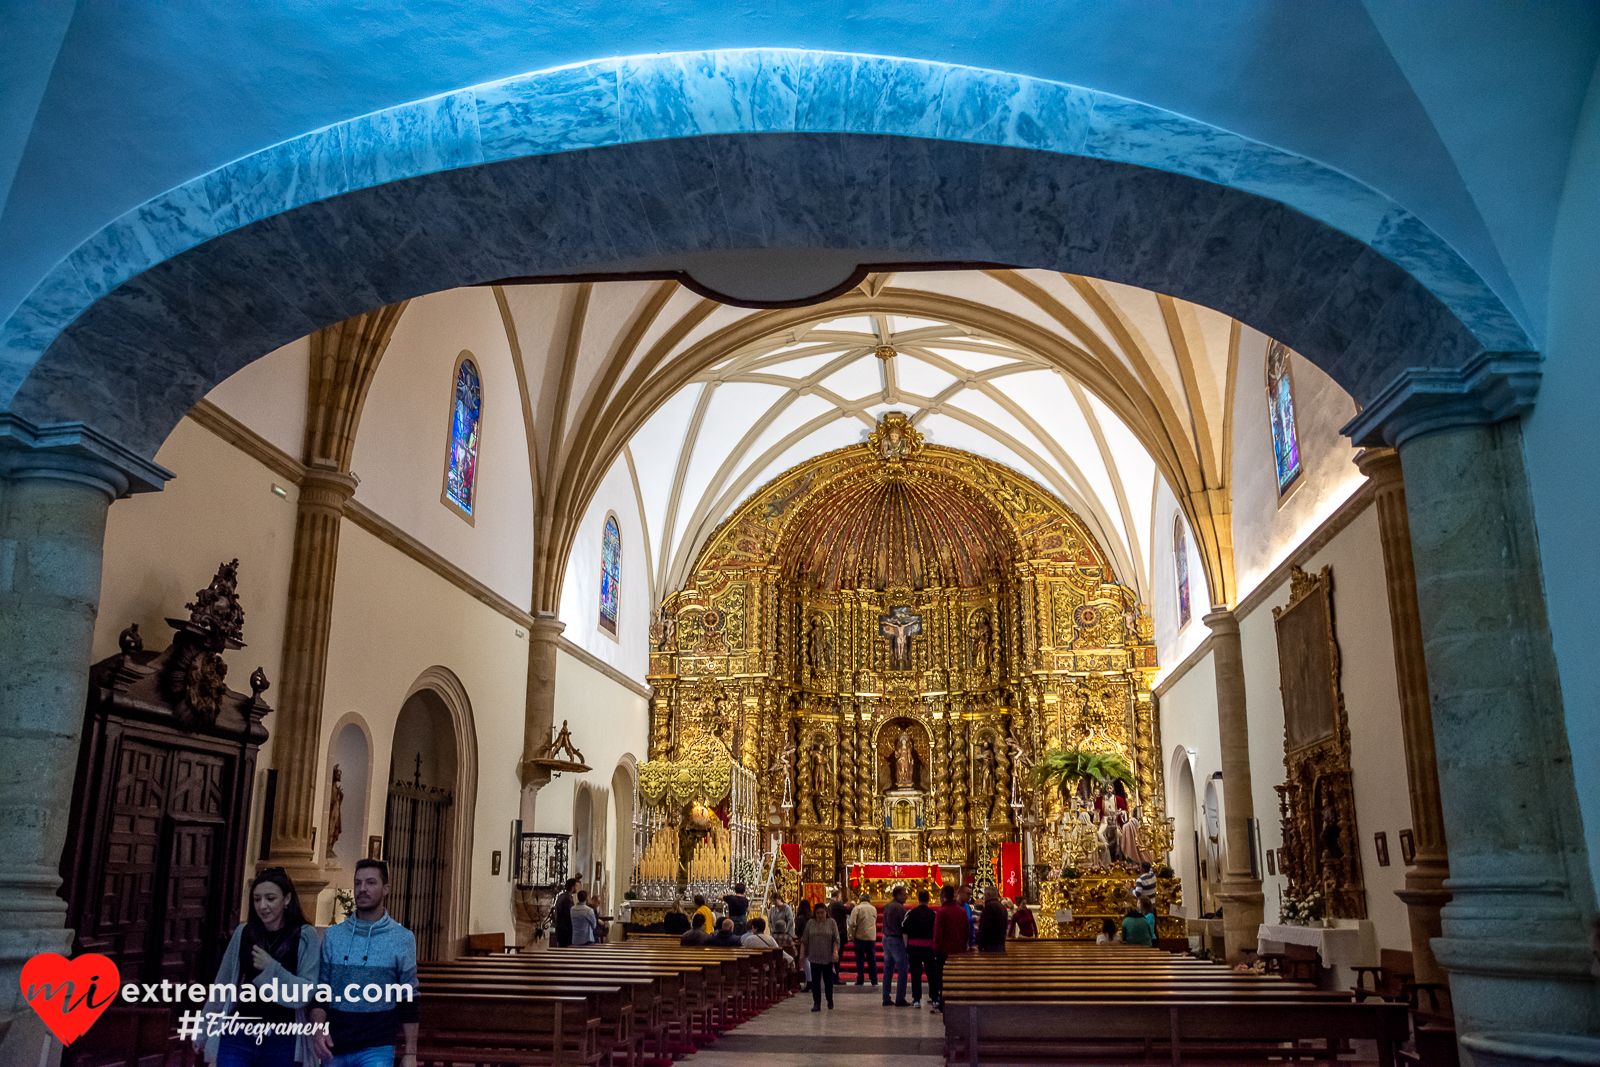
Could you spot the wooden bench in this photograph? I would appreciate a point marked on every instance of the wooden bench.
(981, 1031)
(1056, 1003)
(492, 1031)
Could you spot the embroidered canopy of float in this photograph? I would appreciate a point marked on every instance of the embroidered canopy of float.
(695, 824)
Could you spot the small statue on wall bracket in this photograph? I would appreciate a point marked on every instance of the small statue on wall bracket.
(335, 810)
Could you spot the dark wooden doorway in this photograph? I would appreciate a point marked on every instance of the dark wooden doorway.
(416, 836)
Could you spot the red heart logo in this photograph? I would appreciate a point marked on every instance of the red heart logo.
(69, 995)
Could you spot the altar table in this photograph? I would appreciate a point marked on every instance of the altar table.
(1353, 943)
(883, 876)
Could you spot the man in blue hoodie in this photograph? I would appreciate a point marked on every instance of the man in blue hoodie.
(369, 967)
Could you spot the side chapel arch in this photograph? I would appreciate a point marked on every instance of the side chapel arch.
(443, 683)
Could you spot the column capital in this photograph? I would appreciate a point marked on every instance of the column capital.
(1491, 387)
(1221, 620)
(325, 487)
(1380, 465)
(546, 627)
(76, 452)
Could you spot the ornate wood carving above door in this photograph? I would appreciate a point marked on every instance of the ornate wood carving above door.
(154, 863)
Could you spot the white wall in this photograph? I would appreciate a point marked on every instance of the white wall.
(1266, 529)
(629, 650)
(269, 395)
(392, 620)
(608, 722)
(401, 446)
(161, 548)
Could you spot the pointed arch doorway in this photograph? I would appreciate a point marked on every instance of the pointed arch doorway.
(427, 838)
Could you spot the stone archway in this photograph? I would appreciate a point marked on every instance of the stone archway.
(624, 781)
(877, 162)
(438, 692)
(1055, 177)
(1186, 849)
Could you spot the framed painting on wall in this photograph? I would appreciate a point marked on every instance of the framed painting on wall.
(1381, 840)
(375, 847)
(1408, 848)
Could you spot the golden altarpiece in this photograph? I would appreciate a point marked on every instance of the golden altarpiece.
(885, 637)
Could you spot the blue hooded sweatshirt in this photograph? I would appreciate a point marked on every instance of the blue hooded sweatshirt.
(363, 954)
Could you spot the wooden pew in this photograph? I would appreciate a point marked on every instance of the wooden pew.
(1058, 1003)
(491, 1031)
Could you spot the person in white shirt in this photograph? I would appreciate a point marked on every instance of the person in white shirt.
(757, 937)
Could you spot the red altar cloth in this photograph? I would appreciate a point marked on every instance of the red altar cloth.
(894, 872)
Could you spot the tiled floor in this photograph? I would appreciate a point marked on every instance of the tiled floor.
(859, 1031)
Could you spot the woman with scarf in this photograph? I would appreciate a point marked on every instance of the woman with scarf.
(271, 962)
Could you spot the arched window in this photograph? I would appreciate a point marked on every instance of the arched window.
(466, 425)
(1280, 403)
(1180, 563)
(610, 574)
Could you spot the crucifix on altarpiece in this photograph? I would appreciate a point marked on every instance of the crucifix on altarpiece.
(899, 626)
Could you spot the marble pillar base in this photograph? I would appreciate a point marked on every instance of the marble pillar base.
(1530, 1050)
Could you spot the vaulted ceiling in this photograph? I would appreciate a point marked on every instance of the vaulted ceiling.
(1093, 389)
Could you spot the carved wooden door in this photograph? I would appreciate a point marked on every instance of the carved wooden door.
(188, 891)
(188, 885)
(128, 882)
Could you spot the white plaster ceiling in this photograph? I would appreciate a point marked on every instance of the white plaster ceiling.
(1092, 389)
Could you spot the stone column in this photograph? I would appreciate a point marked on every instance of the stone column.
(323, 494)
(1240, 892)
(1514, 938)
(56, 484)
(540, 710)
(1424, 894)
(344, 359)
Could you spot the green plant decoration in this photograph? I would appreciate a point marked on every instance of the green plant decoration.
(1066, 767)
(1070, 873)
(344, 903)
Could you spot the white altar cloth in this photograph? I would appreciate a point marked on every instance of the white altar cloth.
(1353, 943)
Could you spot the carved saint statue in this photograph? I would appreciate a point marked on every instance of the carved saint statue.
(335, 810)
(980, 643)
(899, 626)
(905, 761)
(1330, 831)
(983, 795)
(1128, 840)
(816, 777)
(819, 647)
(1110, 834)
(895, 445)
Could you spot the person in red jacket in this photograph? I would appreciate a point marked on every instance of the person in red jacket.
(949, 939)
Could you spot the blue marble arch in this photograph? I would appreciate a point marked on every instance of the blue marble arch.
(656, 156)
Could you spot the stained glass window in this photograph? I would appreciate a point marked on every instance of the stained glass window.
(1180, 561)
(1280, 402)
(466, 418)
(610, 573)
